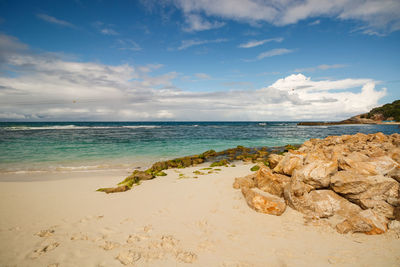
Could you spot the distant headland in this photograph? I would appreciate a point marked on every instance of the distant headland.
(386, 114)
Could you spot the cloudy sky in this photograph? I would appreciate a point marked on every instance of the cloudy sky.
(197, 60)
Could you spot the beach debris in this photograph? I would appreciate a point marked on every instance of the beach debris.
(351, 180)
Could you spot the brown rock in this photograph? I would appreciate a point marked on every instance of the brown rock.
(366, 222)
(117, 189)
(264, 202)
(274, 159)
(371, 166)
(395, 173)
(270, 182)
(247, 181)
(356, 186)
(378, 206)
(317, 173)
(141, 175)
(318, 203)
(396, 213)
(291, 161)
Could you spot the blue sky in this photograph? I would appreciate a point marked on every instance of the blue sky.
(197, 60)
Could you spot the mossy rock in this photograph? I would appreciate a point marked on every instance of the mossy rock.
(255, 168)
(161, 173)
(291, 147)
(118, 189)
(222, 162)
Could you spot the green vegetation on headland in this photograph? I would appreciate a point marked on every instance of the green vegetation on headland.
(388, 112)
(222, 158)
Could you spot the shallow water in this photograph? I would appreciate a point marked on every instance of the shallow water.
(66, 146)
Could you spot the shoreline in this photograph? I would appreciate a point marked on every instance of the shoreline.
(168, 221)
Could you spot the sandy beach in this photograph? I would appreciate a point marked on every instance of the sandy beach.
(176, 220)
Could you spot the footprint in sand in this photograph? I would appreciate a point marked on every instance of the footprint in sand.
(128, 257)
(206, 245)
(79, 236)
(45, 233)
(236, 264)
(109, 245)
(44, 249)
(186, 257)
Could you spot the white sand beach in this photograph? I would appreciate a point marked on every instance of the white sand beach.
(176, 220)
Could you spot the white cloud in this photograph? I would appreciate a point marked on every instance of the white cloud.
(108, 31)
(195, 22)
(54, 20)
(255, 43)
(274, 52)
(189, 43)
(46, 87)
(320, 67)
(315, 22)
(202, 76)
(127, 44)
(376, 16)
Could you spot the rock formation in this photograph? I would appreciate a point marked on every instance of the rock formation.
(351, 180)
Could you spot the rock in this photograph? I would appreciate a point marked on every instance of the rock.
(247, 181)
(378, 206)
(118, 189)
(270, 182)
(141, 175)
(394, 225)
(359, 186)
(317, 173)
(318, 203)
(396, 213)
(274, 159)
(366, 222)
(373, 166)
(394, 173)
(264, 202)
(291, 161)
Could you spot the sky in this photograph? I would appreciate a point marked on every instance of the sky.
(197, 60)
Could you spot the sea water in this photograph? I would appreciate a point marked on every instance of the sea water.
(68, 146)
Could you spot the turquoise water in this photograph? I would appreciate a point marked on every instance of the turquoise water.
(104, 145)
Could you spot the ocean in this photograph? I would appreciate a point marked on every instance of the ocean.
(85, 146)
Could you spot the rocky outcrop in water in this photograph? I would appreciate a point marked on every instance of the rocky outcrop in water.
(351, 180)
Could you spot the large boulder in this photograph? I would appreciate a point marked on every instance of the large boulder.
(274, 159)
(291, 161)
(317, 173)
(370, 166)
(367, 222)
(264, 202)
(247, 181)
(318, 203)
(270, 182)
(377, 192)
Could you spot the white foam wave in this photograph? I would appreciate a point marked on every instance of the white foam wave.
(141, 126)
(73, 127)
